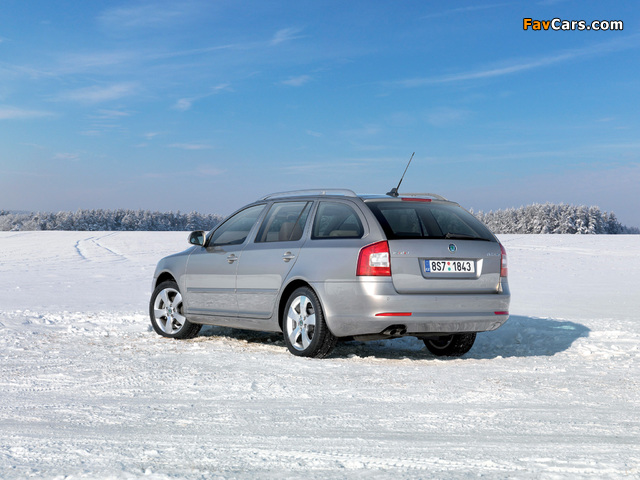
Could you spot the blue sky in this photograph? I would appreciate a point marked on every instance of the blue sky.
(207, 105)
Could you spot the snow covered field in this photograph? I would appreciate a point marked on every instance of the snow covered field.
(88, 391)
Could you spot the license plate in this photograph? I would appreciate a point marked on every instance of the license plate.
(449, 266)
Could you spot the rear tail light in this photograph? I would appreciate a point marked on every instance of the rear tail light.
(503, 262)
(374, 260)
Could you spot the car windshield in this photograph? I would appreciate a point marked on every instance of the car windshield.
(420, 220)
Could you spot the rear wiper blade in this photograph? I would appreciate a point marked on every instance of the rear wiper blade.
(462, 236)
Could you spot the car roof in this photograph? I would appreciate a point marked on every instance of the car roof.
(346, 193)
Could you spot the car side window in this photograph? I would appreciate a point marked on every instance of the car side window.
(235, 229)
(336, 220)
(284, 223)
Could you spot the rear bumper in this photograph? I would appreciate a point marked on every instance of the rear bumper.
(354, 308)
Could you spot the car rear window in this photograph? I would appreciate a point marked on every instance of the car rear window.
(406, 220)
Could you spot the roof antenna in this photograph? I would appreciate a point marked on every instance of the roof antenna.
(394, 191)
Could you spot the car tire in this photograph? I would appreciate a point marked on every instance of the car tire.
(165, 310)
(305, 331)
(454, 345)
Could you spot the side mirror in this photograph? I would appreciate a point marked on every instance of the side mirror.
(197, 238)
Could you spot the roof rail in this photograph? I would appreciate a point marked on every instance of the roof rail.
(314, 191)
(434, 195)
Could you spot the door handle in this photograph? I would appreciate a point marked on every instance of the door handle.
(232, 258)
(288, 256)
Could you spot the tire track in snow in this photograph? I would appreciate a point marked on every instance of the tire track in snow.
(97, 242)
(79, 250)
(91, 249)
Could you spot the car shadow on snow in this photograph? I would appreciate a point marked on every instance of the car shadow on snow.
(248, 336)
(520, 337)
(528, 337)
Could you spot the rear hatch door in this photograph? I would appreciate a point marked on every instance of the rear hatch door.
(438, 247)
(445, 266)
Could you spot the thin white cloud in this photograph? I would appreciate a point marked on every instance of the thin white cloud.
(485, 73)
(104, 114)
(220, 88)
(201, 51)
(15, 113)
(129, 61)
(150, 15)
(183, 104)
(209, 171)
(369, 147)
(519, 65)
(314, 134)
(550, 2)
(70, 63)
(200, 171)
(297, 81)
(191, 146)
(285, 35)
(317, 167)
(76, 63)
(364, 131)
(577, 156)
(99, 94)
(445, 116)
(462, 10)
(34, 145)
(66, 157)
(9, 70)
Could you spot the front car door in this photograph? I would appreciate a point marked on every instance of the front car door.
(211, 270)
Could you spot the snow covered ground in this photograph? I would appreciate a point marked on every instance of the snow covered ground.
(87, 390)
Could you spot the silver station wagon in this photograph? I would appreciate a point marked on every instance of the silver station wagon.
(320, 265)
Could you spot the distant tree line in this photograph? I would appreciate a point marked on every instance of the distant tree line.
(554, 218)
(108, 220)
(536, 218)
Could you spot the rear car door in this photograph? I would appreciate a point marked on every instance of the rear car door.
(267, 260)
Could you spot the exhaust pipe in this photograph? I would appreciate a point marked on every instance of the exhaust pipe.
(395, 331)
